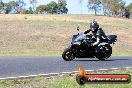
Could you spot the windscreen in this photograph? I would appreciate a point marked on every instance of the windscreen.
(80, 37)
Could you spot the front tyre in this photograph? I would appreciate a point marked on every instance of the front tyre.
(68, 54)
(103, 52)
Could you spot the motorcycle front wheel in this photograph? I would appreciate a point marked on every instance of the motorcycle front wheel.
(68, 54)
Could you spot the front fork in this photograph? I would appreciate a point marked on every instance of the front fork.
(75, 50)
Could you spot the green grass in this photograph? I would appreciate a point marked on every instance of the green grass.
(62, 81)
(122, 54)
(67, 82)
(32, 54)
(25, 83)
(49, 35)
(55, 54)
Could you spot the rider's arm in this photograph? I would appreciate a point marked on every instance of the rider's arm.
(98, 38)
(97, 41)
(87, 31)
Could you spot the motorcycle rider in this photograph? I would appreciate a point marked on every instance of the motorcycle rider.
(97, 33)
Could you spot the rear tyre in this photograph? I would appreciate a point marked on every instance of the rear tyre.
(68, 54)
(103, 52)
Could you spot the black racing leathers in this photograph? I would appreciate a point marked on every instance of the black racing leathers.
(98, 35)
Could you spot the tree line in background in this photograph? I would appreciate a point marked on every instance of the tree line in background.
(108, 7)
(19, 7)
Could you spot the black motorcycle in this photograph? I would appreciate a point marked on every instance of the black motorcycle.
(82, 47)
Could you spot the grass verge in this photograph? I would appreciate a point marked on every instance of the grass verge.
(49, 35)
(56, 54)
(62, 81)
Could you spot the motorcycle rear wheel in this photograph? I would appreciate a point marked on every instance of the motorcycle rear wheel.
(102, 56)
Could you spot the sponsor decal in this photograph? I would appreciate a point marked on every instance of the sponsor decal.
(83, 77)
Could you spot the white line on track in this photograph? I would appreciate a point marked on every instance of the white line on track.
(55, 74)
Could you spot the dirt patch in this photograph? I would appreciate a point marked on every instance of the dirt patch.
(62, 35)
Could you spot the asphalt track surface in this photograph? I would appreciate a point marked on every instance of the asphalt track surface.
(22, 66)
